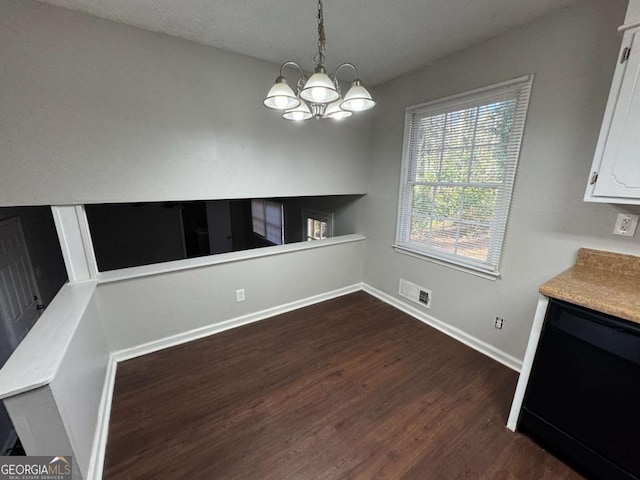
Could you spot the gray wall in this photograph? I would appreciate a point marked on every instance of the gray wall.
(94, 111)
(148, 309)
(99, 112)
(572, 53)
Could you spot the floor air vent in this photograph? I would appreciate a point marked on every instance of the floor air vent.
(415, 293)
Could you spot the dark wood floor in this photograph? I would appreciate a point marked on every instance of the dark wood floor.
(346, 389)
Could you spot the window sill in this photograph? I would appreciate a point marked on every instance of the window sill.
(446, 263)
(221, 258)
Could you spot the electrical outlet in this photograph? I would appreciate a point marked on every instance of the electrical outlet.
(240, 295)
(626, 225)
(499, 322)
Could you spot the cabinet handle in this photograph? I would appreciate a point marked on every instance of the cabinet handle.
(594, 178)
(625, 54)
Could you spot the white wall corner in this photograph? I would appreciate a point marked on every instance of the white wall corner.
(100, 440)
(463, 337)
(198, 333)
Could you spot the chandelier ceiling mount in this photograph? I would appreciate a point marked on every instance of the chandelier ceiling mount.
(318, 96)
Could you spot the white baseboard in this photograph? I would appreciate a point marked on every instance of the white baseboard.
(195, 334)
(469, 340)
(98, 451)
(100, 441)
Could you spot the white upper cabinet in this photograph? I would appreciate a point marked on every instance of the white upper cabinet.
(615, 173)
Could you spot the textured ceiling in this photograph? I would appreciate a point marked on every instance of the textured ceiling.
(383, 38)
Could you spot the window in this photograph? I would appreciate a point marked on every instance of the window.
(458, 170)
(133, 234)
(318, 225)
(267, 218)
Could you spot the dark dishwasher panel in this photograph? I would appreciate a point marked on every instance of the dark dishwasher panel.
(583, 397)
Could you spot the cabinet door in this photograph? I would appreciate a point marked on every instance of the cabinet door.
(619, 170)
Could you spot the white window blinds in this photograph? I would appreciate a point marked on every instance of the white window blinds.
(257, 217)
(267, 218)
(458, 170)
(273, 219)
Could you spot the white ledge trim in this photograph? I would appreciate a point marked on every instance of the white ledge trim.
(47, 342)
(221, 258)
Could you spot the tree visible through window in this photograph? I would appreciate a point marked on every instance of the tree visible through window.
(318, 225)
(316, 229)
(459, 164)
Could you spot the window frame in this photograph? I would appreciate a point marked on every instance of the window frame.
(454, 103)
(319, 216)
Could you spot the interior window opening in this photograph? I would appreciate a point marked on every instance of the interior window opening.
(134, 234)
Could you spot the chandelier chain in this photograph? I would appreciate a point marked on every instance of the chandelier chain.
(320, 56)
(319, 95)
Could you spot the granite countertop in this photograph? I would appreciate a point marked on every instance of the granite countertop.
(603, 281)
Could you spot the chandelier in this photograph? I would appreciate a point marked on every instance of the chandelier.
(318, 96)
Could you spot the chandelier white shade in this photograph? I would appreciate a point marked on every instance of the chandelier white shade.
(334, 111)
(319, 88)
(318, 96)
(357, 98)
(281, 96)
(301, 112)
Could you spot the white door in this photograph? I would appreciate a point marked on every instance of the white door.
(19, 296)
